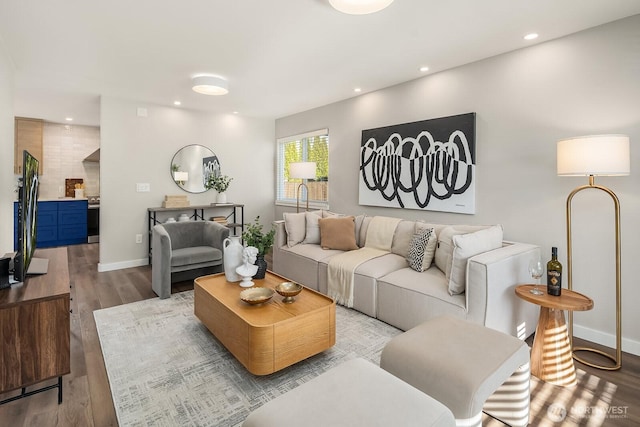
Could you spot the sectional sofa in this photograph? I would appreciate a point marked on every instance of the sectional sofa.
(463, 270)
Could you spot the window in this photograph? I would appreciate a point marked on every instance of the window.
(308, 147)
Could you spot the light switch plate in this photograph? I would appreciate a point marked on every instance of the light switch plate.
(143, 187)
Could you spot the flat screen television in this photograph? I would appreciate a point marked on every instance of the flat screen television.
(27, 216)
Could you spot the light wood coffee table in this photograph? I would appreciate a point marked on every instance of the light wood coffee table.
(267, 337)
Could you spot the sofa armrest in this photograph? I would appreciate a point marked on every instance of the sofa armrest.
(280, 238)
(161, 261)
(491, 280)
(214, 234)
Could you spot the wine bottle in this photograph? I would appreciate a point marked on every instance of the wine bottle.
(554, 274)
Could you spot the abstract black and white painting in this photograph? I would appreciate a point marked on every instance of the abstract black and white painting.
(428, 165)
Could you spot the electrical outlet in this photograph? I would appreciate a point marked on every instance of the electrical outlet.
(138, 238)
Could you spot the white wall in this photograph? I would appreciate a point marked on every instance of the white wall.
(587, 83)
(7, 181)
(139, 150)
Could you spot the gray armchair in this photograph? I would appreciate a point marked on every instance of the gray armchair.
(185, 250)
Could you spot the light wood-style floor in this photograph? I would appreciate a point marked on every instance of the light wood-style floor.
(87, 397)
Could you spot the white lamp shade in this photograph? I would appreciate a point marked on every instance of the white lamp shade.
(181, 176)
(303, 170)
(210, 85)
(594, 155)
(359, 7)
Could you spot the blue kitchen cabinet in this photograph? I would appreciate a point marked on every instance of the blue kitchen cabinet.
(72, 222)
(47, 234)
(60, 223)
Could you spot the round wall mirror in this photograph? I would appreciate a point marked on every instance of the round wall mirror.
(191, 167)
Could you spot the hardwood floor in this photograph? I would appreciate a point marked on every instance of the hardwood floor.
(87, 396)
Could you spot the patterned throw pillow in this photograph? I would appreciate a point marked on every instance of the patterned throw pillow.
(421, 249)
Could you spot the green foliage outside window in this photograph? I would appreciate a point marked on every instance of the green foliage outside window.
(317, 151)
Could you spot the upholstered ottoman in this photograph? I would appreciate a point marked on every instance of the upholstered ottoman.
(356, 393)
(465, 366)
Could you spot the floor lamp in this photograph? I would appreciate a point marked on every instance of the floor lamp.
(302, 170)
(603, 155)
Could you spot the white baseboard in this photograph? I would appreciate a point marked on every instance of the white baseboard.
(124, 264)
(609, 340)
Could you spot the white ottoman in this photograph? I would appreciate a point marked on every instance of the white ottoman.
(466, 366)
(356, 393)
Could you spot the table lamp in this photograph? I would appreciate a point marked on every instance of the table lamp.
(181, 177)
(302, 170)
(596, 155)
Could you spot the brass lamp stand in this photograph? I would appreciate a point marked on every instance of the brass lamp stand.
(617, 360)
(606, 155)
(302, 184)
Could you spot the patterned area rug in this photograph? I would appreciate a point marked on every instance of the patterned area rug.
(166, 369)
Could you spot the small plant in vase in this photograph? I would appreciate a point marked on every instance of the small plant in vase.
(220, 183)
(256, 237)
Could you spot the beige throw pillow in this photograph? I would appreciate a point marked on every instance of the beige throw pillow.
(295, 225)
(464, 247)
(312, 235)
(444, 249)
(338, 233)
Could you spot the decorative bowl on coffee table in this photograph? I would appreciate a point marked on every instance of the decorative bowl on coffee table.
(289, 290)
(256, 295)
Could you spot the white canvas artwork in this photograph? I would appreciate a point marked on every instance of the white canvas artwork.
(426, 165)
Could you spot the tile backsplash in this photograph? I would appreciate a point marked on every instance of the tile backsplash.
(64, 149)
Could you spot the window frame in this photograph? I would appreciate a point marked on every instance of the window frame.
(280, 173)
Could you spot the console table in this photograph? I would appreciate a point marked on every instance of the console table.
(35, 332)
(235, 216)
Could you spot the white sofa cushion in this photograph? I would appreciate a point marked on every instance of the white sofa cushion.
(444, 249)
(464, 247)
(295, 224)
(312, 235)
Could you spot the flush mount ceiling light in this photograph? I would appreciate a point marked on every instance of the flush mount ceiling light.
(209, 85)
(359, 7)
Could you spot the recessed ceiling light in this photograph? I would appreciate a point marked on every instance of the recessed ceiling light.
(357, 89)
(69, 119)
(424, 69)
(359, 7)
(235, 112)
(531, 36)
(210, 85)
(177, 103)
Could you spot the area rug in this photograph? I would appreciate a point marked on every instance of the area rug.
(166, 369)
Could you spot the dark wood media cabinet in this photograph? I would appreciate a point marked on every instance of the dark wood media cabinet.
(35, 328)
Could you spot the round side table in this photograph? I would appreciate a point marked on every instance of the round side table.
(551, 355)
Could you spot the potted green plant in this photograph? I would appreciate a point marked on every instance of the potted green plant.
(256, 237)
(220, 183)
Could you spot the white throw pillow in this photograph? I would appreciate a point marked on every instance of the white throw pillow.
(312, 228)
(444, 249)
(295, 225)
(464, 247)
(422, 247)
